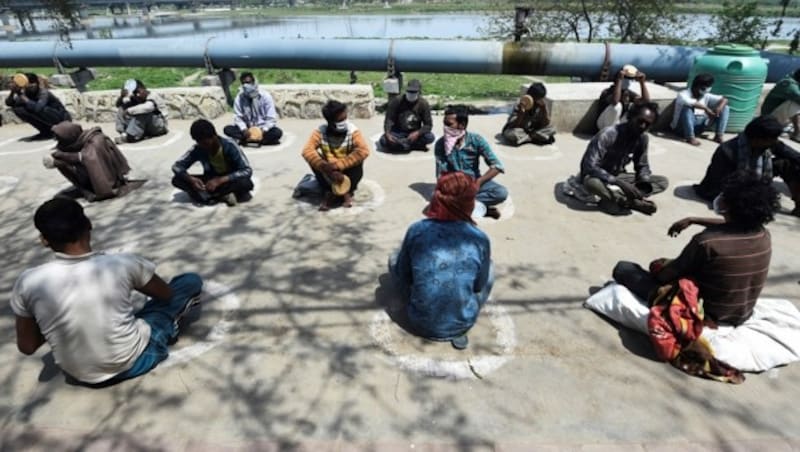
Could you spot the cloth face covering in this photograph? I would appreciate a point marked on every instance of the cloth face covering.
(250, 89)
(451, 136)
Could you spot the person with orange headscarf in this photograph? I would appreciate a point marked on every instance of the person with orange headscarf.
(444, 265)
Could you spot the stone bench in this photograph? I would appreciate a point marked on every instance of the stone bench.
(291, 101)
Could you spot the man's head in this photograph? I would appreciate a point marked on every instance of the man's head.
(140, 92)
(702, 84)
(748, 201)
(537, 91)
(453, 198)
(641, 116)
(335, 113)
(796, 75)
(413, 90)
(249, 86)
(33, 83)
(762, 133)
(204, 133)
(456, 117)
(61, 222)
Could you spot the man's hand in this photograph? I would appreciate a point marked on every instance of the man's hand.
(679, 226)
(390, 138)
(197, 183)
(246, 134)
(329, 168)
(215, 183)
(337, 176)
(711, 113)
(640, 76)
(123, 93)
(620, 75)
(413, 136)
(629, 189)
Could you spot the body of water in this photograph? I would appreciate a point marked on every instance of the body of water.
(432, 26)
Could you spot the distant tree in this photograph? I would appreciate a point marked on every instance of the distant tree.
(646, 21)
(549, 21)
(738, 22)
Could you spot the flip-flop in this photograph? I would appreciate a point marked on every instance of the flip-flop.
(460, 343)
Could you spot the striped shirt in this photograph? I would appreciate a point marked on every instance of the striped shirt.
(729, 267)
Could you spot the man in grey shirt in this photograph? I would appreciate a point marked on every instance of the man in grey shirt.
(609, 152)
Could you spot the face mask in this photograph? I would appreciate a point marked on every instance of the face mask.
(453, 132)
(717, 204)
(340, 126)
(705, 91)
(412, 97)
(250, 89)
(626, 83)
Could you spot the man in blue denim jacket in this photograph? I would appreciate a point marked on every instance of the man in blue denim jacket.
(227, 175)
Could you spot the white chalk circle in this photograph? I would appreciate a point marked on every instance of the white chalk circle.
(413, 156)
(287, 140)
(7, 184)
(389, 337)
(147, 145)
(221, 298)
(530, 153)
(49, 146)
(368, 196)
(506, 210)
(182, 199)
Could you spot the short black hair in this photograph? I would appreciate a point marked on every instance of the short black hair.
(202, 129)
(61, 221)
(32, 78)
(537, 90)
(139, 84)
(702, 80)
(750, 201)
(245, 75)
(765, 126)
(461, 112)
(332, 109)
(638, 107)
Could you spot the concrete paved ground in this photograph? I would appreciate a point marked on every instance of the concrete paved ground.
(294, 348)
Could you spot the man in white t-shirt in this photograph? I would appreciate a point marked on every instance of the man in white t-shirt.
(80, 303)
(696, 109)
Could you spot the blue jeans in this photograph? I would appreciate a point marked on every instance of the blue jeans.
(491, 193)
(690, 125)
(160, 315)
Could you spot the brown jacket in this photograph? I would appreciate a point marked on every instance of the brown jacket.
(98, 156)
(353, 150)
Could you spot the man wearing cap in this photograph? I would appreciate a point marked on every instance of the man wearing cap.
(530, 120)
(616, 100)
(141, 114)
(254, 117)
(783, 103)
(36, 105)
(408, 122)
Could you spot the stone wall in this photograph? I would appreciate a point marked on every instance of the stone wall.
(291, 101)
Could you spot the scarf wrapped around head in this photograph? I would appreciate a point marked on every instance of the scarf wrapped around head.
(454, 198)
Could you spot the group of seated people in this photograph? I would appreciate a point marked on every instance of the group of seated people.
(444, 265)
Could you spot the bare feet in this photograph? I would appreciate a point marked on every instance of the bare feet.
(693, 141)
(327, 202)
(347, 200)
(718, 138)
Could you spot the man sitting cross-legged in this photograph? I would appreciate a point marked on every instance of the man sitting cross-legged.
(80, 303)
(226, 171)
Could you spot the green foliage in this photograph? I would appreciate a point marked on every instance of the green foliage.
(739, 23)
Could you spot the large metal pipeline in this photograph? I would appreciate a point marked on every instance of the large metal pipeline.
(660, 62)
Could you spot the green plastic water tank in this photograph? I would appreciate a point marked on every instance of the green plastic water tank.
(739, 74)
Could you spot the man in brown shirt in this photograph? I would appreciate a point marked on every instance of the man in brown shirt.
(728, 261)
